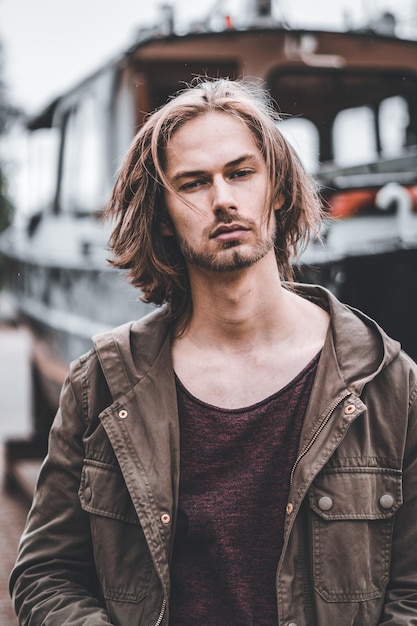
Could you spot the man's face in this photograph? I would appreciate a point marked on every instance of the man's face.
(220, 188)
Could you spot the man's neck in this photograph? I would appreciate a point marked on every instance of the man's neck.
(248, 337)
(228, 307)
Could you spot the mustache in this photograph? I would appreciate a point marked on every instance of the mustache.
(227, 217)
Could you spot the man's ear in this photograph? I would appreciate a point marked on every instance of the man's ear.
(166, 229)
(165, 224)
(277, 205)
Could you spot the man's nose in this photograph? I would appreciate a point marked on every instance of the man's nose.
(224, 198)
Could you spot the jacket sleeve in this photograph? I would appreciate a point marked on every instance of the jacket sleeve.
(54, 580)
(401, 598)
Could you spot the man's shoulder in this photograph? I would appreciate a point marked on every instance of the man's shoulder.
(149, 323)
(123, 339)
(120, 357)
(134, 345)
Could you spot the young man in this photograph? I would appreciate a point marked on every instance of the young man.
(246, 454)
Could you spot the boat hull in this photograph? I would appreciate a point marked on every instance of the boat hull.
(382, 285)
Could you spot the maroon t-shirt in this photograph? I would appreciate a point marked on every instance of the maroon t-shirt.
(234, 484)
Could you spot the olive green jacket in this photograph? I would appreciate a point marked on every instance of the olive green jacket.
(96, 549)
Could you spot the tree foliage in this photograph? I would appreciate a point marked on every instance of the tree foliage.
(8, 113)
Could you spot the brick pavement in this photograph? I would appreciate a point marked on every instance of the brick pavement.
(13, 511)
(14, 422)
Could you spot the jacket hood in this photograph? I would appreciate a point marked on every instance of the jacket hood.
(361, 347)
(356, 345)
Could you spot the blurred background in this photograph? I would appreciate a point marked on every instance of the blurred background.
(77, 79)
(47, 46)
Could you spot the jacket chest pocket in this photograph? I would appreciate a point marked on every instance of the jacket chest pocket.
(123, 562)
(352, 512)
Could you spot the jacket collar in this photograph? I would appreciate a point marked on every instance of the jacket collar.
(356, 346)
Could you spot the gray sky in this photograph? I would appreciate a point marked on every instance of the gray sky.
(49, 45)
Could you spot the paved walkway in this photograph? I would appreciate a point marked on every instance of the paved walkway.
(14, 422)
(13, 512)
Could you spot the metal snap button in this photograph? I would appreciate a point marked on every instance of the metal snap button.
(165, 518)
(386, 501)
(325, 503)
(123, 414)
(289, 508)
(87, 494)
(349, 409)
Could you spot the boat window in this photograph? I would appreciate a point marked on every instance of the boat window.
(394, 119)
(354, 140)
(37, 176)
(351, 109)
(82, 166)
(303, 135)
(123, 125)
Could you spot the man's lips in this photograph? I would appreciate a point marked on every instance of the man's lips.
(226, 232)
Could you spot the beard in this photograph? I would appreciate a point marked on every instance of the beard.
(230, 256)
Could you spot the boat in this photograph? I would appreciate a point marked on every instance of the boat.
(348, 102)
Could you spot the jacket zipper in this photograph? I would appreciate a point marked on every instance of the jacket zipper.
(317, 433)
(161, 614)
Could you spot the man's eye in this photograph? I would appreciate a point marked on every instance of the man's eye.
(241, 173)
(193, 184)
